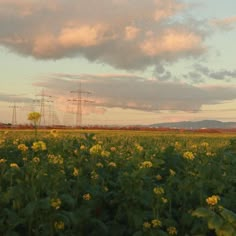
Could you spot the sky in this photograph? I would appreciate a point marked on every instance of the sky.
(126, 62)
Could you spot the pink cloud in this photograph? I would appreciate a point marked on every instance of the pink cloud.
(114, 33)
(131, 32)
(83, 36)
(225, 23)
(172, 41)
(167, 8)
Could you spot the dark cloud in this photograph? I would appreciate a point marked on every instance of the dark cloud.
(11, 98)
(135, 92)
(202, 73)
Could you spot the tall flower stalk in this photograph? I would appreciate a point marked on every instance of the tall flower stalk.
(34, 117)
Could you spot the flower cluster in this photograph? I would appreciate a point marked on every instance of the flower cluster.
(94, 175)
(56, 203)
(14, 165)
(213, 200)
(55, 159)
(159, 177)
(96, 149)
(40, 145)
(36, 160)
(138, 147)
(99, 165)
(87, 196)
(112, 164)
(59, 225)
(188, 156)
(146, 164)
(154, 224)
(105, 153)
(75, 171)
(2, 160)
(158, 190)
(22, 147)
(172, 230)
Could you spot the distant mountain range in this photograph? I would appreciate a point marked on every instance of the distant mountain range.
(207, 124)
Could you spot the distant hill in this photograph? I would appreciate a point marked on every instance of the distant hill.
(204, 124)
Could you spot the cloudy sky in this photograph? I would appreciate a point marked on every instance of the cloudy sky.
(133, 61)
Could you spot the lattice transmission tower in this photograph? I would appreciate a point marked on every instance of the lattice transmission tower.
(14, 116)
(43, 101)
(79, 102)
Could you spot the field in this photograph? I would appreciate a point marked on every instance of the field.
(118, 183)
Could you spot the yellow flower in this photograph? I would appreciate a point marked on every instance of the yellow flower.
(14, 165)
(105, 154)
(164, 200)
(94, 175)
(156, 223)
(172, 172)
(96, 149)
(147, 225)
(87, 197)
(177, 146)
(159, 177)
(158, 190)
(172, 230)
(205, 144)
(54, 133)
(113, 149)
(15, 142)
(40, 145)
(188, 155)
(59, 225)
(34, 116)
(2, 160)
(55, 159)
(36, 160)
(105, 188)
(112, 164)
(99, 164)
(22, 147)
(2, 141)
(146, 164)
(213, 200)
(75, 172)
(138, 147)
(82, 147)
(56, 203)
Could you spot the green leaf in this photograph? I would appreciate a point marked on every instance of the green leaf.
(226, 230)
(215, 222)
(29, 209)
(11, 233)
(138, 233)
(229, 216)
(202, 212)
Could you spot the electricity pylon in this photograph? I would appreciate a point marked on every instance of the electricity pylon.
(79, 105)
(14, 117)
(43, 101)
